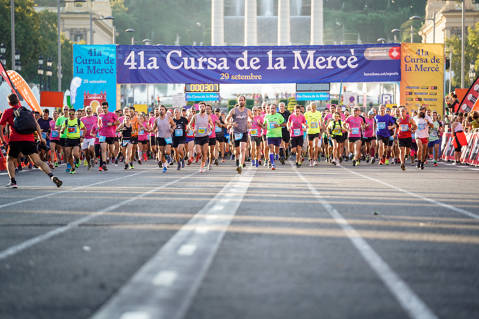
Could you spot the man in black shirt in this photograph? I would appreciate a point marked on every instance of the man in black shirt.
(283, 151)
(44, 123)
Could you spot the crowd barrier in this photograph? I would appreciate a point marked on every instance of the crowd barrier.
(469, 152)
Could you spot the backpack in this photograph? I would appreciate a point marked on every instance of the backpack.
(24, 122)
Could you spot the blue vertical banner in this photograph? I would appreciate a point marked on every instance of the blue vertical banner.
(94, 76)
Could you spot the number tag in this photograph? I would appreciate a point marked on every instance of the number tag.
(272, 125)
(124, 143)
(253, 132)
(168, 140)
(141, 132)
(433, 133)
(44, 135)
(201, 130)
(381, 125)
(55, 133)
(102, 139)
(404, 127)
(238, 136)
(190, 132)
(337, 131)
(178, 132)
(72, 129)
(297, 132)
(314, 124)
(421, 126)
(355, 130)
(218, 129)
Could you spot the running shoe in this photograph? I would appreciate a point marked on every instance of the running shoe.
(373, 159)
(68, 168)
(253, 163)
(315, 163)
(89, 165)
(257, 164)
(56, 164)
(239, 169)
(116, 161)
(179, 166)
(11, 185)
(403, 167)
(281, 159)
(189, 161)
(354, 162)
(85, 162)
(139, 161)
(386, 162)
(422, 165)
(131, 166)
(126, 166)
(334, 163)
(273, 167)
(297, 164)
(310, 163)
(73, 171)
(105, 168)
(216, 162)
(164, 169)
(57, 181)
(100, 168)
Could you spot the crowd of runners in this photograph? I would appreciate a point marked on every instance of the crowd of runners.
(261, 136)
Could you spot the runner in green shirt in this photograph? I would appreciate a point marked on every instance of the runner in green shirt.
(71, 128)
(273, 123)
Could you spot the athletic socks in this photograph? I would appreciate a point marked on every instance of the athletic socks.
(271, 159)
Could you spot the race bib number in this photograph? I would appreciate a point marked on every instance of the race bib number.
(337, 131)
(433, 133)
(190, 132)
(297, 132)
(272, 125)
(218, 129)
(168, 140)
(141, 132)
(72, 129)
(355, 130)
(253, 132)
(421, 126)
(201, 130)
(102, 139)
(178, 132)
(314, 124)
(238, 136)
(55, 133)
(44, 135)
(124, 143)
(381, 125)
(404, 127)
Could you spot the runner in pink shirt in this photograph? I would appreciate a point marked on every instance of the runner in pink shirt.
(296, 125)
(107, 123)
(369, 137)
(256, 133)
(88, 144)
(151, 123)
(354, 124)
(143, 132)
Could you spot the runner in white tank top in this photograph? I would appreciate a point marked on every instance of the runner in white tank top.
(164, 125)
(202, 124)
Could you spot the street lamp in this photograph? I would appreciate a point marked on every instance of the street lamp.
(146, 41)
(381, 40)
(132, 31)
(3, 50)
(18, 64)
(40, 71)
(49, 72)
(395, 32)
(472, 72)
(412, 19)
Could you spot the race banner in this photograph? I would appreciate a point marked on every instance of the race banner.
(24, 90)
(470, 99)
(94, 76)
(258, 64)
(422, 72)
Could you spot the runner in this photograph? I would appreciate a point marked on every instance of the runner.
(313, 120)
(354, 124)
(406, 126)
(255, 133)
(144, 128)
(63, 137)
(44, 123)
(201, 122)
(238, 117)
(88, 144)
(164, 125)
(220, 135)
(190, 138)
(296, 126)
(55, 147)
(423, 123)
(125, 130)
(72, 126)
(153, 143)
(273, 122)
(107, 123)
(286, 137)
(179, 138)
(456, 128)
(212, 142)
(335, 132)
(434, 137)
(384, 124)
(369, 139)
(21, 144)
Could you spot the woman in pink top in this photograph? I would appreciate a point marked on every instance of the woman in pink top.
(369, 139)
(143, 131)
(54, 141)
(296, 125)
(256, 133)
(353, 125)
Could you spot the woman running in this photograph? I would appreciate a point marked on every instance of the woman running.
(256, 133)
(369, 139)
(55, 147)
(296, 126)
(354, 124)
(457, 128)
(434, 137)
(406, 125)
(143, 132)
(423, 123)
(125, 129)
(179, 138)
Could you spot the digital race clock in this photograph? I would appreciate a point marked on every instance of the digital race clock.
(202, 87)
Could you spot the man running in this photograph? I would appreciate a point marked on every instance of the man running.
(313, 119)
(239, 118)
(273, 122)
(107, 123)
(286, 137)
(384, 124)
(21, 144)
(164, 124)
(72, 127)
(88, 145)
(201, 123)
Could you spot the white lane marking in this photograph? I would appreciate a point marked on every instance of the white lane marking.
(38, 239)
(136, 315)
(140, 294)
(66, 191)
(406, 297)
(165, 278)
(187, 250)
(435, 202)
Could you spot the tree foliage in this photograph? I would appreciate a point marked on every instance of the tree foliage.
(35, 36)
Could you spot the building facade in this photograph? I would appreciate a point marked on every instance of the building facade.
(444, 19)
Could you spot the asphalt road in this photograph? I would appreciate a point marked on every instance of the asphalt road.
(322, 242)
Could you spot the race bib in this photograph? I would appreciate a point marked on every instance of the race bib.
(381, 125)
(178, 132)
(44, 135)
(337, 131)
(253, 132)
(55, 133)
(102, 139)
(168, 140)
(201, 130)
(355, 130)
(297, 132)
(190, 132)
(421, 126)
(238, 136)
(272, 125)
(404, 127)
(124, 143)
(433, 133)
(72, 129)
(218, 129)
(141, 132)
(314, 124)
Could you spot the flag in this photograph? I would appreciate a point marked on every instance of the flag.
(467, 103)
